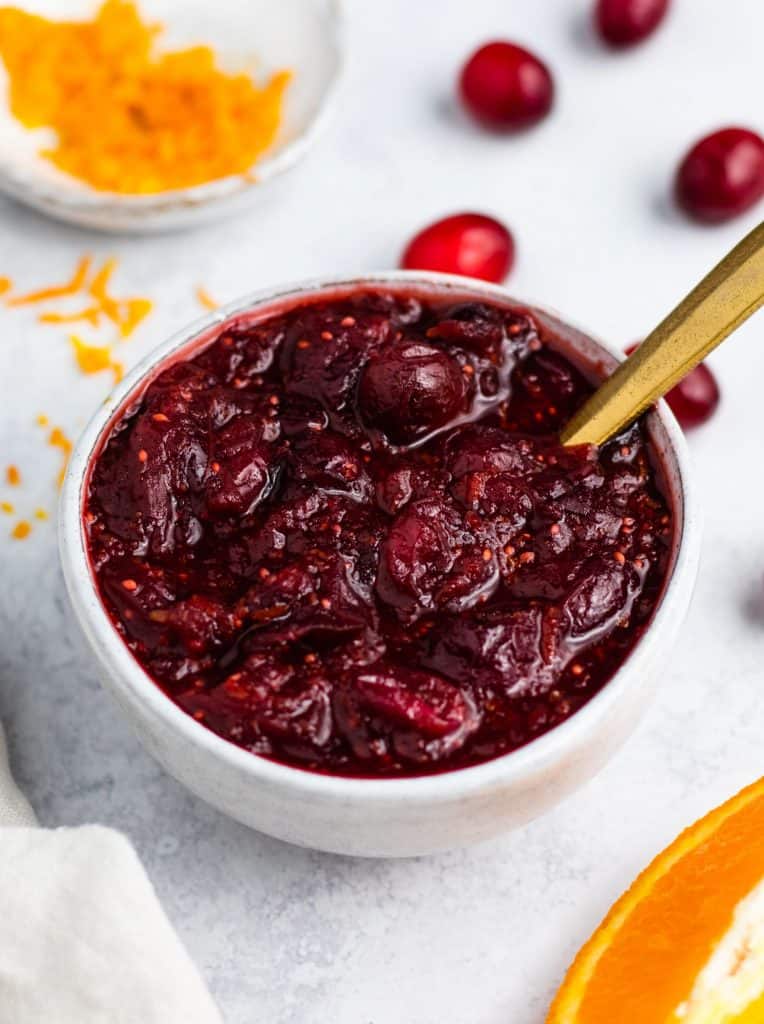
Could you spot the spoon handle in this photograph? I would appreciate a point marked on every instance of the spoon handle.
(726, 297)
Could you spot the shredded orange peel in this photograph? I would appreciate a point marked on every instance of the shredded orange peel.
(59, 291)
(205, 299)
(127, 118)
(92, 314)
(21, 530)
(58, 439)
(125, 314)
(94, 358)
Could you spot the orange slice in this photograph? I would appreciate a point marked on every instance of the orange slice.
(685, 944)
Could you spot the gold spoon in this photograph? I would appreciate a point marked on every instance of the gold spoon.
(722, 301)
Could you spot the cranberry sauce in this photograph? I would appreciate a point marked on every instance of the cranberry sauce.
(347, 538)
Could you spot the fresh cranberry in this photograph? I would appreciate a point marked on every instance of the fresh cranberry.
(410, 389)
(506, 87)
(469, 244)
(722, 175)
(623, 23)
(695, 398)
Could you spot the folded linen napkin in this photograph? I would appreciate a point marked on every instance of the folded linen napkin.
(83, 939)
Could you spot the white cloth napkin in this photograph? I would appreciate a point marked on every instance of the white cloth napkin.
(83, 939)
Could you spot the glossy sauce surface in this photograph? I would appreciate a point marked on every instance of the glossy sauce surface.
(346, 537)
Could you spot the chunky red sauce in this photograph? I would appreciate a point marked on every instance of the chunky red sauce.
(346, 538)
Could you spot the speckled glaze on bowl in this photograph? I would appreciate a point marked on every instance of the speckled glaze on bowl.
(384, 817)
(304, 35)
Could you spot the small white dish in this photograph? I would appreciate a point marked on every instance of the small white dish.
(303, 35)
(381, 817)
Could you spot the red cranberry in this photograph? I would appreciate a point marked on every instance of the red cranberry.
(407, 390)
(419, 699)
(623, 23)
(722, 175)
(469, 244)
(505, 87)
(695, 398)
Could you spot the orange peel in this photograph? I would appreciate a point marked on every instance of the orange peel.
(60, 291)
(685, 944)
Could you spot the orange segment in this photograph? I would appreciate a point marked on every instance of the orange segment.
(686, 942)
(754, 1014)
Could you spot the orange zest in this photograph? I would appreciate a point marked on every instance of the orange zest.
(21, 530)
(59, 291)
(205, 299)
(125, 314)
(685, 944)
(92, 314)
(58, 439)
(128, 118)
(94, 358)
(132, 313)
(13, 476)
(100, 283)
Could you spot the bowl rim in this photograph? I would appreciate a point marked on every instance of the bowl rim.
(129, 681)
(77, 196)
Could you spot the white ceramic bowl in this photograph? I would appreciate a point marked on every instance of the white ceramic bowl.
(385, 817)
(304, 35)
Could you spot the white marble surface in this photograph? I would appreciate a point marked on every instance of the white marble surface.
(290, 937)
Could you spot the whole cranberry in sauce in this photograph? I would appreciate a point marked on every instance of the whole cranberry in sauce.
(469, 244)
(346, 536)
(695, 398)
(409, 389)
(623, 23)
(722, 175)
(506, 87)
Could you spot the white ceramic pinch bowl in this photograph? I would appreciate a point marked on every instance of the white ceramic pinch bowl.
(303, 35)
(381, 817)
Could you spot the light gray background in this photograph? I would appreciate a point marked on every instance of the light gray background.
(286, 936)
